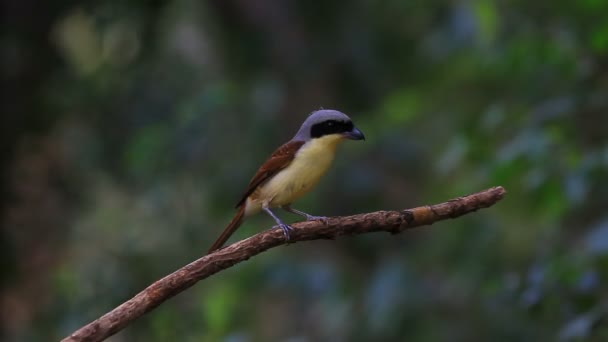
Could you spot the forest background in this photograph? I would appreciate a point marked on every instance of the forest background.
(130, 128)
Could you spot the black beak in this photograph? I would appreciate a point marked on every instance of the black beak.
(355, 134)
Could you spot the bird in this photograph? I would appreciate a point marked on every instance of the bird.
(292, 170)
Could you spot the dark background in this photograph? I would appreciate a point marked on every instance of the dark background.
(130, 128)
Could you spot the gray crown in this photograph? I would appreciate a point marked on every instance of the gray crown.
(317, 117)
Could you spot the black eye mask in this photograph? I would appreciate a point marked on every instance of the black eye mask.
(330, 127)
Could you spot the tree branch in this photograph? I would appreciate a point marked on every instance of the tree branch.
(388, 221)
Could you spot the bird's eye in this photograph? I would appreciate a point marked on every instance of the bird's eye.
(330, 123)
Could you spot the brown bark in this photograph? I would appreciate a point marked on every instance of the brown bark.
(176, 282)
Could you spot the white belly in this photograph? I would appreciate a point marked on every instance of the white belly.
(310, 163)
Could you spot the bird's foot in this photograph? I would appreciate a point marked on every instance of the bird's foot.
(323, 219)
(286, 229)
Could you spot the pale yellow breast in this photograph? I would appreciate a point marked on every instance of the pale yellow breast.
(310, 163)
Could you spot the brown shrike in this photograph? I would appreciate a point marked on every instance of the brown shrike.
(293, 169)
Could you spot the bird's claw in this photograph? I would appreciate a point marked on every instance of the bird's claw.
(286, 228)
(317, 218)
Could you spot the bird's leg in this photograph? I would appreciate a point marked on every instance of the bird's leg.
(286, 228)
(305, 215)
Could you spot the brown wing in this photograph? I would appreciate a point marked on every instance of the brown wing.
(279, 160)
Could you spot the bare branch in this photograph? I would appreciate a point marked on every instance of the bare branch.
(176, 282)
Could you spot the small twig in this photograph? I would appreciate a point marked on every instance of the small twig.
(176, 282)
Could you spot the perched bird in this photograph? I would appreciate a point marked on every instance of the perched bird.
(293, 169)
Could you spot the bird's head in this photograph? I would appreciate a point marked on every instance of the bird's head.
(328, 122)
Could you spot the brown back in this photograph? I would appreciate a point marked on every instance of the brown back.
(280, 159)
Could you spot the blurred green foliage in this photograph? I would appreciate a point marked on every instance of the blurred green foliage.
(131, 128)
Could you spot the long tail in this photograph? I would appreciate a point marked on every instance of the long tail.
(229, 230)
